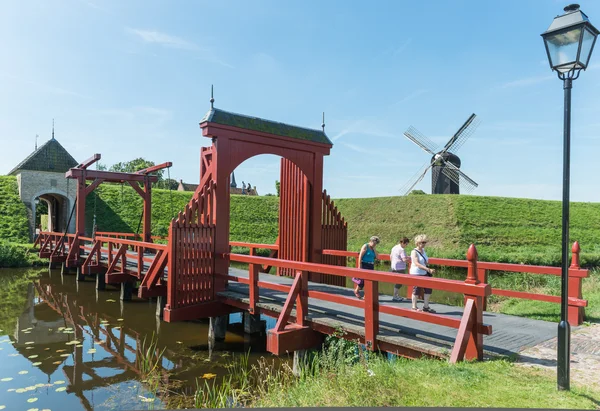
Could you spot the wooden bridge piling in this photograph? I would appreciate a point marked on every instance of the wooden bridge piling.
(252, 323)
(217, 328)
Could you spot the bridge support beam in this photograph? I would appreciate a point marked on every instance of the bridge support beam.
(100, 282)
(126, 290)
(80, 275)
(291, 339)
(252, 323)
(299, 359)
(160, 306)
(217, 328)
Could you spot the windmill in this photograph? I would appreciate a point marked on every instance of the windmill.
(446, 177)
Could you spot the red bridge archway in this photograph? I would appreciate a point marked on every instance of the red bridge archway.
(307, 217)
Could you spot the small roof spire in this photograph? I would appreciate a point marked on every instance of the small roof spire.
(233, 183)
(52, 129)
(323, 123)
(212, 97)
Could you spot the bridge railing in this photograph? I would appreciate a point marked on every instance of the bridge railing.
(274, 248)
(127, 235)
(469, 340)
(576, 275)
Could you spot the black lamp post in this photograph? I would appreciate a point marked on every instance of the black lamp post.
(569, 43)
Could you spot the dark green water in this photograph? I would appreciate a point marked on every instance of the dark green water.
(66, 346)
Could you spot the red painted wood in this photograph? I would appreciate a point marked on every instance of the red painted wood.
(289, 303)
(371, 313)
(464, 332)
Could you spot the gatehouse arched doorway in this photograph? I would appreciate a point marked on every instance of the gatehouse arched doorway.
(303, 206)
(51, 211)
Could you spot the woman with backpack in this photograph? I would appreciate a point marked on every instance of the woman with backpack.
(419, 267)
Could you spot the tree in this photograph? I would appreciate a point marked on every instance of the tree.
(167, 184)
(417, 192)
(277, 187)
(135, 165)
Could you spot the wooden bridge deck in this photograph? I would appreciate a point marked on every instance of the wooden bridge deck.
(511, 334)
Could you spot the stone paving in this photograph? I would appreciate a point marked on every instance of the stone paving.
(585, 356)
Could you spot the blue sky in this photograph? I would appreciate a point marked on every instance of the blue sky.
(132, 78)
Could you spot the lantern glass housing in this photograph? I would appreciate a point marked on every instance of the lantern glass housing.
(570, 40)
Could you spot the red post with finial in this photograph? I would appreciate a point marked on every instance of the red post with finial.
(575, 314)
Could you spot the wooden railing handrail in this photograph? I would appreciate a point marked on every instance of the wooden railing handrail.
(511, 267)
(479, 290)
(254, 245)
(133, 243)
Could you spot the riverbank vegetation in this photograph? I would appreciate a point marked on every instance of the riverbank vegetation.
(14, 225)
(344, 375)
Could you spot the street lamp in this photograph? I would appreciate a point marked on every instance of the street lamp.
(569, 43)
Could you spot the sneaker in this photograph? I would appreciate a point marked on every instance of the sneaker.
(398, 299)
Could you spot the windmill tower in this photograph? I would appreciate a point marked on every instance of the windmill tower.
(446, 177)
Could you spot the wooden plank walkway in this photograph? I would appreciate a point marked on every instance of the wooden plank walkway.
(510, 335)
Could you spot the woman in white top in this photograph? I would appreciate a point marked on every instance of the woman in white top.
(399, 259)
(419, 267)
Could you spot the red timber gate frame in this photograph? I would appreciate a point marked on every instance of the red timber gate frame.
(82, 175)
(307, 218)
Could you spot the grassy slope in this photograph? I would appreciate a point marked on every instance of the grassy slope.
(14, 225)
(253, 219)
(429, 383)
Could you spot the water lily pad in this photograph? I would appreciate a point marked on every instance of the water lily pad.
(145, 399)
(2, 407)
(120, 319)
(7, 379)
(59, 382)
(61, 328)
(79, 345)
(29, 342)
(33, 409)
(35, 364)
(1, 348)
(61, 350)
(27, 332)
(57, 362)
(10, 390)
(209, 376)
(91, 351)
(31, 357)
(30, 388)
(47, 349)
(68, 329)
(178, 342)
(13, 355)
(65, 355)
(60, 389)
(20, 390)
(23, 372)
(40, 385)
(29, 348)
(32, 399)
(110, 300)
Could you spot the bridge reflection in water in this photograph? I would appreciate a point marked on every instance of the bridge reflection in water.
(65, 320)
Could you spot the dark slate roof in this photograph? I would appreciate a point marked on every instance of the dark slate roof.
(266, 126)
(51, 156)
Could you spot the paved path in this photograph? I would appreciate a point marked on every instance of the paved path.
(585, 356)
(510, 334)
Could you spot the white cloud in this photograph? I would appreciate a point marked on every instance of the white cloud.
(163, 39)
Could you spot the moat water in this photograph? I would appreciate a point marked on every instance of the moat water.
(66, 346)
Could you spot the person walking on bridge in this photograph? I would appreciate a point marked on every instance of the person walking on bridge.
(419, 267)
(398, 264)
(367, 258)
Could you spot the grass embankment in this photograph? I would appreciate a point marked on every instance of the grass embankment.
(119, 209)
(14, 227)
(503, 229)
(343, 376)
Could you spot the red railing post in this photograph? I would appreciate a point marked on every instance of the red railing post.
(253, 286)
(140, 250)
(575, 314)
(482, 277)
(302, 299)
(371, 314)
(474, 349)
(110, 256)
